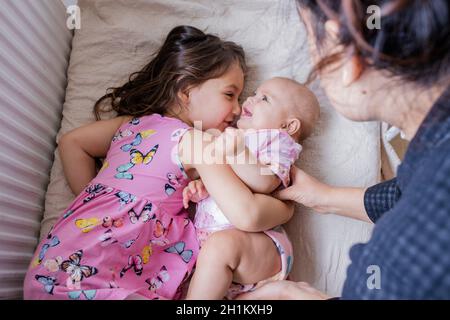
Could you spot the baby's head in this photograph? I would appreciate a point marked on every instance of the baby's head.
(281, 103)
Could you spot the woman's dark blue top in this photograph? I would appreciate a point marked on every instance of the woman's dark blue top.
(408, 255)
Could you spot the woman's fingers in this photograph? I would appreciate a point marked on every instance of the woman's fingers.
(268, 291)
(282, 194)
(304, 189)
(284, 289)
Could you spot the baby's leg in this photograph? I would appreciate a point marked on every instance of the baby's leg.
(232, 255)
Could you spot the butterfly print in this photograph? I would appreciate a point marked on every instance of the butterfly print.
(125, 197)
(146, 253)
(160, 230)
(137, 141)
(135, 263)
(49, 283)
(53, 243)
(122, 171)
(87, 224)
(107, 238)
(159, 279)
(134, 121)
(88, 294)
(177, 134)
(53, 265)
(173, 180)
(122, 134)
(93, 191)
(169, 189)
(129, 243)
(109, 222)
(143, 216)
(137, 157)
(178, 248)
(77, 272)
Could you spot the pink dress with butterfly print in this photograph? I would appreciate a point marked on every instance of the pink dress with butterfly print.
(127, 233)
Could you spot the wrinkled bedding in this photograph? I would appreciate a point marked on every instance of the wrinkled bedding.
(117, 37)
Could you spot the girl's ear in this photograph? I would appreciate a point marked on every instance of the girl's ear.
(183, 96)
(292, 126)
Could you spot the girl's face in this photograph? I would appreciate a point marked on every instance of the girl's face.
(215, 102)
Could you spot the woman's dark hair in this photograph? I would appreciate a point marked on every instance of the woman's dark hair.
(413, 42)
(188, 57)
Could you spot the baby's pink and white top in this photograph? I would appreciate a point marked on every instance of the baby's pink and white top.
(278, 151)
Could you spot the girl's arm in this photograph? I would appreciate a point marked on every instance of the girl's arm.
(79, 148)
(257, 176)
(245, 210)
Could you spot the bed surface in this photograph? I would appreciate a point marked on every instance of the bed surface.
(118, 37)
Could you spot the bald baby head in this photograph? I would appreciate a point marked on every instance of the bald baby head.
(281, 103)
(299, 102)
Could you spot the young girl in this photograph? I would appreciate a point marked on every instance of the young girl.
(126, 235)
(280, 113)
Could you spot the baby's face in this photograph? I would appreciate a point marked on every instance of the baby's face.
(269, 107)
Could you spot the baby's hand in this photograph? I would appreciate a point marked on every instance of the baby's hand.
(195, 191)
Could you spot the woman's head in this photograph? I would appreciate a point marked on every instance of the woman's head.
(351, 55)
(193, 76)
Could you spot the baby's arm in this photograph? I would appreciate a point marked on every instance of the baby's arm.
(257, 176)
(79, 148)
(251, 173)
(245, 210)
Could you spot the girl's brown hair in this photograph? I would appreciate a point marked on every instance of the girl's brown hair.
(412, 43)
(187, 58)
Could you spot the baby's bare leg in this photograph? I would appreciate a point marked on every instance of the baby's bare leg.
(232, 255)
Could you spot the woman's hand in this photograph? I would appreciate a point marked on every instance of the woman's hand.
(195, 191)
(306, 190)
(284, 290)
(310, 192)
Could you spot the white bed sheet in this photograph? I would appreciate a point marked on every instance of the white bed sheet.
(118, 36)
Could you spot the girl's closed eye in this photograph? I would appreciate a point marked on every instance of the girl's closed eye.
(230, 95)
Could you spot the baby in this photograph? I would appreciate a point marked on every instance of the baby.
(281, 113)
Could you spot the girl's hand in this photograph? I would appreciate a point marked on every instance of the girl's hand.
(284, 290)
(195, 191)
(306, 190)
